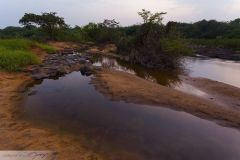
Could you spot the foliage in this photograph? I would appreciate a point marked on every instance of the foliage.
(148, 17)
(175, 46)
(23, 32)
(152, 44)
(50, 23)
(219, 42)
(209, 29)
(108, 31)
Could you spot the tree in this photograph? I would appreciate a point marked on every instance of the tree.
(48, 22)
(148, 17)
(110, 23)
(153, 44)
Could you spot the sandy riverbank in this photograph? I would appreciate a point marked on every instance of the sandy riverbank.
(123, 86)
(217, 92)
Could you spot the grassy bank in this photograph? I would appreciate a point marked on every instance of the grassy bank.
(221, 43)
(15, 53)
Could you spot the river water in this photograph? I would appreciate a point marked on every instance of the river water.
(122, 131)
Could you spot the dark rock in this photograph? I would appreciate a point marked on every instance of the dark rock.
(55, 65)
(40, 76)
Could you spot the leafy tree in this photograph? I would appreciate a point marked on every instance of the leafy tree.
(153, 44)
(48, 22)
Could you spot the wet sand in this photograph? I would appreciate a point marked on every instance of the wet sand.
(218, 92)
(123, 86)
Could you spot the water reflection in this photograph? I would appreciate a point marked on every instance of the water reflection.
(121, 131)
(216, 69)
(165, 78)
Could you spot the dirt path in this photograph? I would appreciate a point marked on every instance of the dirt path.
(123, 86)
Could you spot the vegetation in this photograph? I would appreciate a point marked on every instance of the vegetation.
(209, 29)
(47, 48)
(50, 23)
(15, 60)
(23, 44)
(218, 43)
(15, 53)
(151, 43)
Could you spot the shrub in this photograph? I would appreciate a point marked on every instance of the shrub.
(154, 45)
(175, 46)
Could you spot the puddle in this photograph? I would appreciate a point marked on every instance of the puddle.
(120, 131)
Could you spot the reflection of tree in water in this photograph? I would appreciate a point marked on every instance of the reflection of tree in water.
(165, 78)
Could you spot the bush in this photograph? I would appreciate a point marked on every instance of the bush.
(175, 46)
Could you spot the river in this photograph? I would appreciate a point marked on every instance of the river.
(122, 131)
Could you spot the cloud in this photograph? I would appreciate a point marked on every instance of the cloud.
(81, 12)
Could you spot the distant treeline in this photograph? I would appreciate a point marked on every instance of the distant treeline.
(208, 29)
(94, 31)
(151, 43)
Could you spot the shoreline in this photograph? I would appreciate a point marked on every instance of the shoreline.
(19, 134)
(123, 86)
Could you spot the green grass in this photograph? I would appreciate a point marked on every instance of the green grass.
(15, 54)
(49, 49)
(222, 43)
(15, 44)
(15, 60)
(23, 44)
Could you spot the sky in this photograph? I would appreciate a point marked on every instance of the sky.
(81, 12)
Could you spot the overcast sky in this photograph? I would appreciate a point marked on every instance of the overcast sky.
(80, 12)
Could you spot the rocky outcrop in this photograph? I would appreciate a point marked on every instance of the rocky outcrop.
(61, 63)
